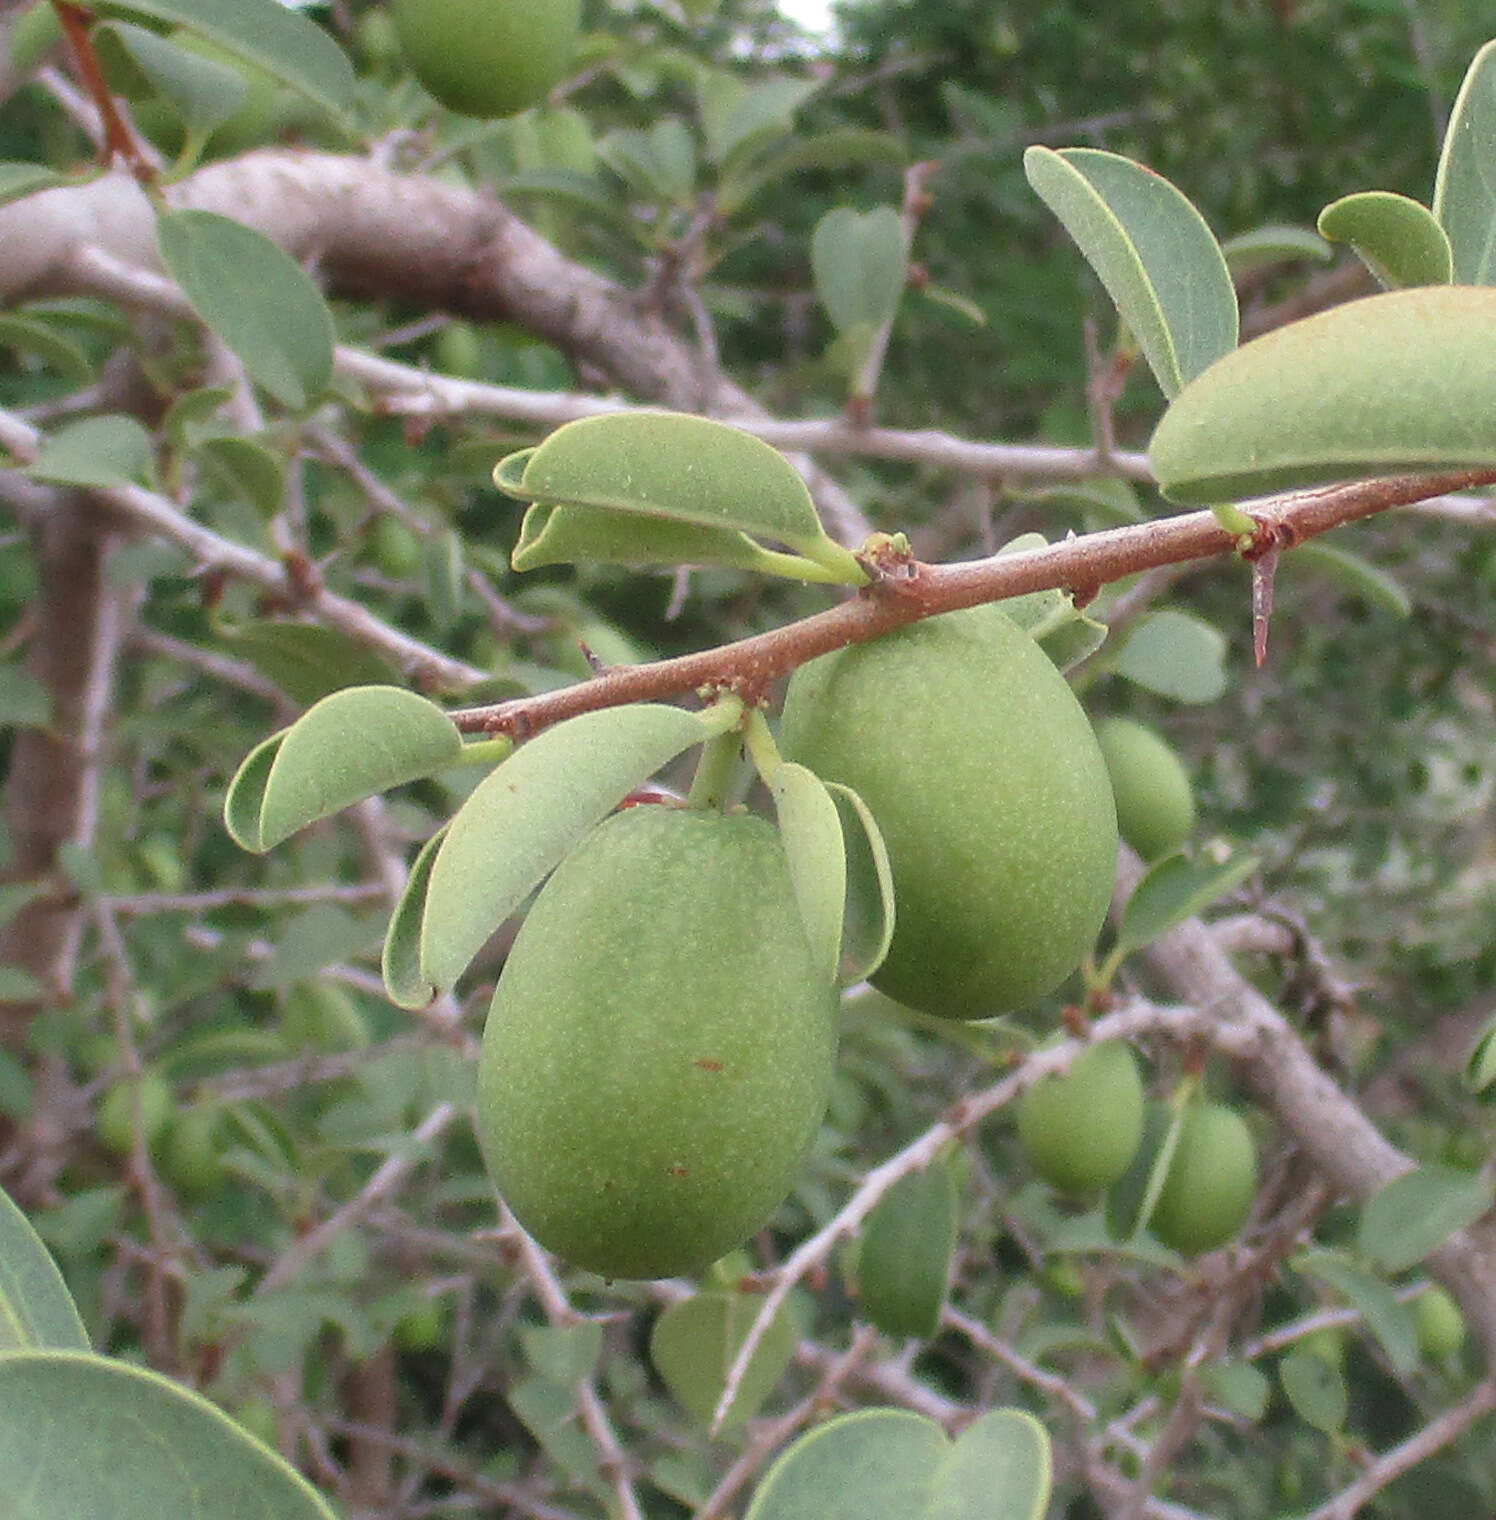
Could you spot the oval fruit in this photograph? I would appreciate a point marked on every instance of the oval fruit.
(488, 57)
(1211, 1183)
(987, 782)
(194, 1146)
(1081, 1128)
(1439, 1323)
(117, 1114)
(1155, 804)
(659, 1049)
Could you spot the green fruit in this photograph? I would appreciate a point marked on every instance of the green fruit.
(1211, 1183)
(421, 1328)
(1081, 1128)
(193, 1160)
(1440, 1325)
(984, 775)
(659, 1050)
(1155, 805)
(394, 547)
(488, 57)
(117, 1114)
(459, 351)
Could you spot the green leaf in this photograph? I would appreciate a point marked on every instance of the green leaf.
(1132, 1198)
(17, 180)
(659, 164)
(1177, 655)
(36, 1309)
(281, 41)
(1315, 1389)
(43, 342)
(1174, 889)
(94, 451)
(904, 1257)
(1480, 1066)
(311, 941)
(401, 962)
(1237, 1386)
(868, 915)
(672, 465)
(1390, 384)
(529, 812)
(695, 1342)
(204, 93)
(594, 535)
(735, 115)
(549, 1413)
(86, 1436)
(839, 149)
(889, 1464)
(1396, 238)
(1413, 1215)
(18, 985)
(861, 265)
(1387, 1319)
(952, 300)
(810, 829)
(308, 661)
(1464, 186)
(245, 798)
(244, 471)
(349, 746)
(563, 1354)
(1150, 247)
(1263, 247)
(1353, 574)
(257, 299)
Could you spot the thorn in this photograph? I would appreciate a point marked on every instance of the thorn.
(1264, 568)
(594, 664)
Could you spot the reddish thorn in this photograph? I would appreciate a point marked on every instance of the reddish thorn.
(1264, 568)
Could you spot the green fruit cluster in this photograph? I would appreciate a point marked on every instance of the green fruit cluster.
(1155, 804)
(986, 780)
(488, 57)
(659, 1050)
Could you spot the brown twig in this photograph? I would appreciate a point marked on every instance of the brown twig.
(1080, 565)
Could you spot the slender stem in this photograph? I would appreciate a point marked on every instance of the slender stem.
(714, 772)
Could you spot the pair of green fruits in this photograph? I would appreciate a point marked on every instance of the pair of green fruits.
(661, 1041)
(1082, 1131)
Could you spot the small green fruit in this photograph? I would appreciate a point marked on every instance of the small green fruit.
(117, 1113)
(1440, 1325)
(394, 547)
(421, 1328)
(194, 1161)
(459, 351)
(1081, 1128)
(1211, 1183)
(985, 777)
(1155, 805)
(488, 57)
(659, 1050)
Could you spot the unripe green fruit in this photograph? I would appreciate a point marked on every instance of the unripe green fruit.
(659, 1050)
(986, 780)
(421, 1328)
(1155, 805)
(115, 1118)
(1081, 1128)
(1211, 1183)
(459, 351)
(193, 1161)
(488, 57)
(394, 547)
(1439, 1323)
